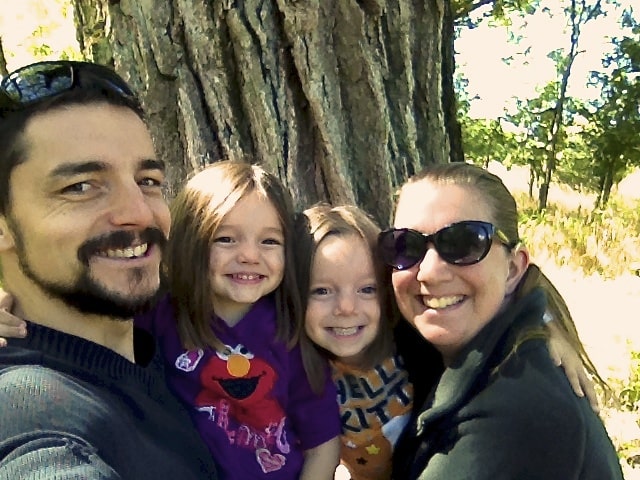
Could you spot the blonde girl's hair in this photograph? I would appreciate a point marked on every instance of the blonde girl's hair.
(504, 214)
(322, 221)
(197, 212)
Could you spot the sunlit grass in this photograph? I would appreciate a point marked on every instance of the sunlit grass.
(604, 242)
(597, 244)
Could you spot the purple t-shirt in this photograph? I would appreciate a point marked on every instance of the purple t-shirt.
(252, 405)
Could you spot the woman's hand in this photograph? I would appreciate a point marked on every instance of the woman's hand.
(564, 355)
(10, 325)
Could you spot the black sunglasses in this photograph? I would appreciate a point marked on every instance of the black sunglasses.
(461, 243)
(42, 80)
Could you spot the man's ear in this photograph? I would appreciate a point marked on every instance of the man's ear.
(518, 264)
(6, 237)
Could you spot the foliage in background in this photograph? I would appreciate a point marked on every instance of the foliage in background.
(605, 242)
(37, 30)
(588, 145)
(628, 399)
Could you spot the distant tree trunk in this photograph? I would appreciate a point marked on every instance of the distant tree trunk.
(343, 99)
(580, 12)
(3, 61)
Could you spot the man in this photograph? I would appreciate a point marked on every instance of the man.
(82, 224)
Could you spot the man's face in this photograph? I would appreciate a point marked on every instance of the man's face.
(87, 216)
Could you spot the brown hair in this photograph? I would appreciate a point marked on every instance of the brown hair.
(15, 148)
(197, 212)
(323, 221)
(504, 215)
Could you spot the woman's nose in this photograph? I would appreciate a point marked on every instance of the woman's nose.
(432, 267)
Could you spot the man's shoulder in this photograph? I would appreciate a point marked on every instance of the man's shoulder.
(34, 396)
(36, 381)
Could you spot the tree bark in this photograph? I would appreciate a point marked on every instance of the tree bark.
(3, 61)
(343, 99)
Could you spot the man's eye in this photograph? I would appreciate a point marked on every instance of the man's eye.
(80, 187)
(151, 182)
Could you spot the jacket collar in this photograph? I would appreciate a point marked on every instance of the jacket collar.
(484, 352)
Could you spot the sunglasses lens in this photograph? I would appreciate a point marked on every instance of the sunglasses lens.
(37, 81)
(401, 248)
(47, 79)
(99, 76)
(463, 243)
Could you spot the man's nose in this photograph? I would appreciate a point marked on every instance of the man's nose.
(130, 206)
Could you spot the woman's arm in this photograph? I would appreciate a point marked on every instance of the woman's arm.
(321, 462)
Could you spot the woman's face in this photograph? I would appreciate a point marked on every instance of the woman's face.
(450, 304)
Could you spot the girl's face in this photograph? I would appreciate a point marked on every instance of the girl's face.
(247, 257)
(343, 312)
(449, 304)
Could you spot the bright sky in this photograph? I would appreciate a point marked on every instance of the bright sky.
(480, 53)
(479, 50)
(22, 20)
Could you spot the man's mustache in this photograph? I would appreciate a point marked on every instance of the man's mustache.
(118, 240)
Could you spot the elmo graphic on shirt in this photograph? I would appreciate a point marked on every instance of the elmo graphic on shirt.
(245, 382)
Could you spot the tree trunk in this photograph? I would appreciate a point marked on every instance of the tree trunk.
(343, 99)
(3, 61)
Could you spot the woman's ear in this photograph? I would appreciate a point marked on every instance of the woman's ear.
(518, 264)
(6, 237)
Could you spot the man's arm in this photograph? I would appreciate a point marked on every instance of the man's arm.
(47, 455)
(35, 442)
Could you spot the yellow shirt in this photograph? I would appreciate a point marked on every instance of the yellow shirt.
(375, 406)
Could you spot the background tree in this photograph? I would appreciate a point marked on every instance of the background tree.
(579, 12)
(343, 99)
(3, 61)
(612, 134)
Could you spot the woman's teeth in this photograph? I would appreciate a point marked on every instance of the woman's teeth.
(443, 302)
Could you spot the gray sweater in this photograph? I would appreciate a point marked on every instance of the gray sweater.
(72, 409)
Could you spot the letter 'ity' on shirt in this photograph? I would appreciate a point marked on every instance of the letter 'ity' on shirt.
(374, 407)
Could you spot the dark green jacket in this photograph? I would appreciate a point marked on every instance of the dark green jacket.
(501, 412)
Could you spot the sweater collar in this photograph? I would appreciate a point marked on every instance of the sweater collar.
(494, 340)
(85, 359)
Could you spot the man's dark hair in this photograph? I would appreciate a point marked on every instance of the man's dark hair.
(13, 148)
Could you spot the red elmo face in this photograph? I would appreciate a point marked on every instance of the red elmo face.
(245, 383)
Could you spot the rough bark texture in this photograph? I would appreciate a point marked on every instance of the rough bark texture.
(343, 99)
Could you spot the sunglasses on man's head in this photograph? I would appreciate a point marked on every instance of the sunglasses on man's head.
(461, 243)
(39, 81)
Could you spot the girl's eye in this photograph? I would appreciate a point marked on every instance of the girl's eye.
(320, 291)
(272, 241)
(369, 290)
(223, 240)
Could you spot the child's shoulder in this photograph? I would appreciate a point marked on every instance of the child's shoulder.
(157, 317)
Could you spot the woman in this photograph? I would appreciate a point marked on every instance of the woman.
(462, 279)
